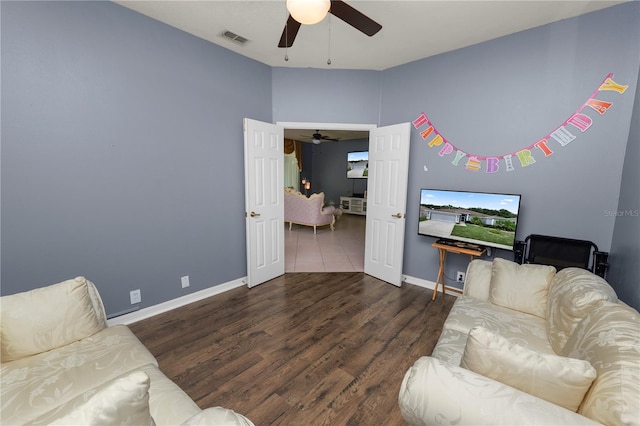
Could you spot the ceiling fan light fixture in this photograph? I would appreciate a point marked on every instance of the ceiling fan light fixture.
(308, 12)
(316, 141)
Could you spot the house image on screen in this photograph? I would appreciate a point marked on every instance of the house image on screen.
(459, 216)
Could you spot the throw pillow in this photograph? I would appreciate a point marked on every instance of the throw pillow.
(523, 288)
(560, 380)
(124, 401)
(39, 320)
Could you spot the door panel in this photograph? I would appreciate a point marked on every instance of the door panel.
(264, 203)
(386, 202)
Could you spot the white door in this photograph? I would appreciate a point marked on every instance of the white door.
(264, 200)
(386, 202)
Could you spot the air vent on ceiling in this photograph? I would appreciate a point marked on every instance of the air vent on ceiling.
(229, 35)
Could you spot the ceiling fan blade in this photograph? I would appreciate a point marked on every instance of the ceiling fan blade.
(354, 17)
(289, 33)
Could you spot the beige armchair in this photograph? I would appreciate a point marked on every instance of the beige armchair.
(309, 211)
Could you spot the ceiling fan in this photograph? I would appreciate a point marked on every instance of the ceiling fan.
(318, 138)
(339, 9)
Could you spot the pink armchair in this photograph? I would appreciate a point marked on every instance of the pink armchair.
(309, 211)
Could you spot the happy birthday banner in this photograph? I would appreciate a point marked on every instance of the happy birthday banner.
(561, 134)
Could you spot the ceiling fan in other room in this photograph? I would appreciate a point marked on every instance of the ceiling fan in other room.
(317, 138)
(339, 9)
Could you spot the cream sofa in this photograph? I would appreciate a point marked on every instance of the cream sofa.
(309, 211)
(62, 365)
(527, 345)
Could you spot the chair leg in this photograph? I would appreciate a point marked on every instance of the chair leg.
(314, 229)
(290, 223)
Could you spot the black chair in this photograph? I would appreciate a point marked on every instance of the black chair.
(562, 253)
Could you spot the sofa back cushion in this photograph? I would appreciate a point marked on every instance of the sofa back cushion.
(478, 279)
(609, 338)
(46, 318)
(574, 292)
(560, 380)
(523, 288)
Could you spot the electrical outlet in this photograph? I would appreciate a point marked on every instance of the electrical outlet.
(185, 281)
(136, 296)
(460, 277)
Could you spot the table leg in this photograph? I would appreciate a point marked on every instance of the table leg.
(443, 254)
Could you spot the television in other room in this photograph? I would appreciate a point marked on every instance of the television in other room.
(469, 218)
(357, 165)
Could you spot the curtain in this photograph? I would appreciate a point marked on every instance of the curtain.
(291, 173)
(296, 147)
(292, 163)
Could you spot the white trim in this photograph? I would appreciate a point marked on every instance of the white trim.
(428, 284)
(221, 288)
(176, 303)
(333, 126)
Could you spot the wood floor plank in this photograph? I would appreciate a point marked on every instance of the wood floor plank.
(305, 348)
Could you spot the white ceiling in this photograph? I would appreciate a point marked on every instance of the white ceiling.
(411, 30)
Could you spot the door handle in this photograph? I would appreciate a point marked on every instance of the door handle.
(254, 214)
(398, 215)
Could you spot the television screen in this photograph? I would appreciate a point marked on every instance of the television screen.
(475, 218)
(357, 164)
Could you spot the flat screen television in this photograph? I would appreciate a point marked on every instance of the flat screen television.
(358, 165)
(469, 218)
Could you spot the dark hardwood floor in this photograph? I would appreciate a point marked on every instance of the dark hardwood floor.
(302, 349)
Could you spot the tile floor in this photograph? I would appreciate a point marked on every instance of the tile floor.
(339, 251)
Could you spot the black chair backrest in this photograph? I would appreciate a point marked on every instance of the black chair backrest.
(559, 252)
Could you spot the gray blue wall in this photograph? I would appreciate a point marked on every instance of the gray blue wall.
(497, 97)
(625, 248)
(122, 152)
(328, 164)
(122, 140)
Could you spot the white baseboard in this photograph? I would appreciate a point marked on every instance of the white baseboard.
(428, 284)
(176, 303)
(221, 288)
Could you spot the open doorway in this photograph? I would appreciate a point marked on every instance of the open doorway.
(324, 160)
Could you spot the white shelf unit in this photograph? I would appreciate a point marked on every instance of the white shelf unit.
(353, 205)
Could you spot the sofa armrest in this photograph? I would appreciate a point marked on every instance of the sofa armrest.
(328, 210)
(434, 392)
(96, 302)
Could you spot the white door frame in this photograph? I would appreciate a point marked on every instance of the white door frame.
(328, 126)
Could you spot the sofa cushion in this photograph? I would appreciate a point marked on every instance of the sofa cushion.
(478, 279)
(523, 288)
(34, 386)
(560, 380)
(609, 338)
(65, 314)
(525, 329)
(123, 401)
(574, 292)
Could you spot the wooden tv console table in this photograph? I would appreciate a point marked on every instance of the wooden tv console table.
(453, 248)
